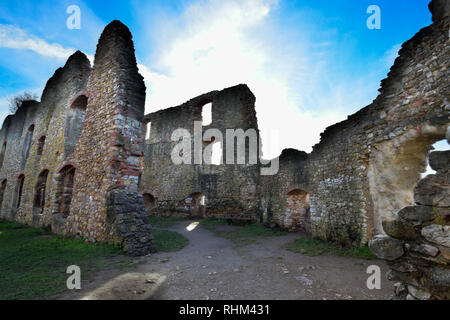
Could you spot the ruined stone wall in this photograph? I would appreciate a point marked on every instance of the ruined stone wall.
(362, 172)
(12, 133)
(89, 124)
(280, 202)
(417, 242)
(365, 168)
(110, 148)
(230, 189)
(23, 157)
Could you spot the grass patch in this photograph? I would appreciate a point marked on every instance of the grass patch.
(168, 241)
(33, 262)
(313, 247)
(241, 235)
(164, 222)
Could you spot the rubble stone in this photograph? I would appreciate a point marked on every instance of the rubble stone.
(385, 247)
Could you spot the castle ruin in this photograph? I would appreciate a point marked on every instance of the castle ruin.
(78, 162)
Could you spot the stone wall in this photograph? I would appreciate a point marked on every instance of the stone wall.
(358, 177)
(281, 203)
(110, 147)
(229, 190)
(23, 156)
(89, 123)
(365, 168)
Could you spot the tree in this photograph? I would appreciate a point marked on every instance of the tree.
(16, 102)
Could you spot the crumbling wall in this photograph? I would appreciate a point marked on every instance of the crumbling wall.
(13, 165)
(110, 148)
(417, 244)
(230, 190)
(361, 173)
(285, 195)
(28, 155)
(365, 168)
(88, 124)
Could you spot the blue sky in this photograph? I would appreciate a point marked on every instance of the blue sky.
(309, 63)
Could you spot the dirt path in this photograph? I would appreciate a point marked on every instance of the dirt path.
(214, 268)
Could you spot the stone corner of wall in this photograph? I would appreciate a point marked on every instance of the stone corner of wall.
(127, 223)
(439, 9)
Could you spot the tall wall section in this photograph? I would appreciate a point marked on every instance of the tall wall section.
(71, 162)
(365, 168)
(106, 204)
(229, 190)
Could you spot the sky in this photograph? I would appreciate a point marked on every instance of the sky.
(309, 63)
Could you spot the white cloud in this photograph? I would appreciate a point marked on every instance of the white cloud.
(15, 38)
(4, 106)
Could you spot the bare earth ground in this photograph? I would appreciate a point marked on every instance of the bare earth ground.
(214, 268)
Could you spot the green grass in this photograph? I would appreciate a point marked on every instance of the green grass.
(168, 241)
(241, 235)
(33, 262)
(164, 222)
(313, 247)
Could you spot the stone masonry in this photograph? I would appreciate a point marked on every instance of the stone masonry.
(88, 122)
(229, 190)
(417, 242)
(78, 162)
(362, 172)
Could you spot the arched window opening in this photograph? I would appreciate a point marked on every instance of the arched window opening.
(197, 205)
(207, 114)
(64, 190)
(39, 197)
(149, 201)
(297, 215)
(2, 154)
(19, 191)
(27, 142)
(2, 192)
(80, 102)
(74, 122)
(41, 144)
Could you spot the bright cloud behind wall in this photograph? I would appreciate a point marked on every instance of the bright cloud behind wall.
(220, 44)
(305, 74)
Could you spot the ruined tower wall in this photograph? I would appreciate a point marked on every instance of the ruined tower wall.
(365, 168)
(106, 205)
(230, 189)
